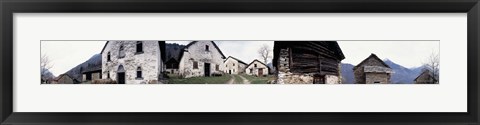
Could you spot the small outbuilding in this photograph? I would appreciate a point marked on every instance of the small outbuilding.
(372, 70)
(65, 79)
(426, 77)
(257, 68)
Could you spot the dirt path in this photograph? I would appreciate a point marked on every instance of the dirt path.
(245, 81)
(232, 79)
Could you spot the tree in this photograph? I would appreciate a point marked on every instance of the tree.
(265, 53)
(433, 64)
(45, 66)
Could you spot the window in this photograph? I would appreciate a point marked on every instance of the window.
(121, 52)
(234, 64)
(139, 47)
(108, 56)
(255, 65)
(376, 82)
(139, 72)
(195, 65)
(207, 48)
(108, 75)
(217, 67)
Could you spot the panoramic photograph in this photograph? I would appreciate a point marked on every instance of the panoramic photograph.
(239, 62)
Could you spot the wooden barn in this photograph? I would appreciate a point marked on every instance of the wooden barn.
(426, 77)
(372, 70)
(307, 62)
(257, 68)
(234, 65)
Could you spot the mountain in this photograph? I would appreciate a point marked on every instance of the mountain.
(47, 74)
(347, 73)
(401, 75)
(95, 62)
(173, 50)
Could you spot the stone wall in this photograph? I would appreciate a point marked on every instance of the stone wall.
(197, 53)
(331, 79)
(149, 61)
(377, 78)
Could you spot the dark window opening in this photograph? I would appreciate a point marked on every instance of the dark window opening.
(255, 65)
(195, 65)
(108, 57)
(207, 48)
(217, 67)
(139, 47)
(89, 76)
(139, 72)
(376, 82)
(108, 75)
(121, 52)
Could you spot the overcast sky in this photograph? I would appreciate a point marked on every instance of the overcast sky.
(65, 55)
(409, 54)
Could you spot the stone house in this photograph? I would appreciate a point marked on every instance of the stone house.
(133, 62)
(257, 68)
(372, 70)
(234, 66)
(201, 58)
(65, 79)
(426, 77)
(307, 62)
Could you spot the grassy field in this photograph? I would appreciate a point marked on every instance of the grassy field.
(258, 80)
(238, 79)
(199, 80)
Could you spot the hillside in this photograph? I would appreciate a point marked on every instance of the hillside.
(95, 62)
(173, 50)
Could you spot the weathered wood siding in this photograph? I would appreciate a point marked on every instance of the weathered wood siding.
(306, 62)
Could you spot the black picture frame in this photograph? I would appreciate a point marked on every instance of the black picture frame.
(8, 7)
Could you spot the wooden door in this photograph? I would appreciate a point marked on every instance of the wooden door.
(121, 78)
(260, 72)
(207, 69)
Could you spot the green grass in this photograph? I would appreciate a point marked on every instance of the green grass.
(258, 80)
(199, 80)
(238, 79)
